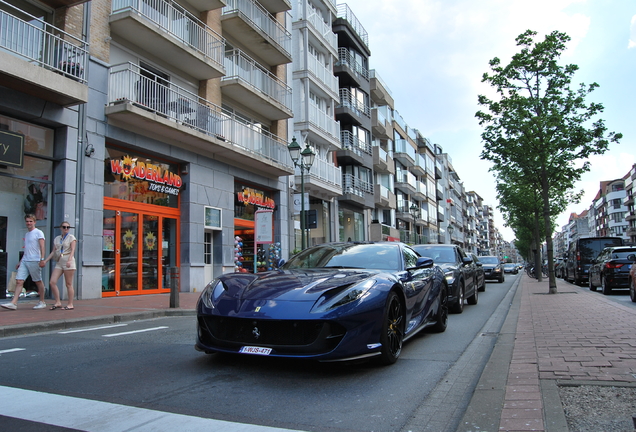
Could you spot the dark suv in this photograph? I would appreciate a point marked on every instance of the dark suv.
(459, 270)
(493, 268)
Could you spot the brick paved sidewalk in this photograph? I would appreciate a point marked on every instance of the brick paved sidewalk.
(575, 335)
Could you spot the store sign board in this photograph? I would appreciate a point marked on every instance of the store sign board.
(160, 180)
(264, 229)
(11, 149)
(251, 196)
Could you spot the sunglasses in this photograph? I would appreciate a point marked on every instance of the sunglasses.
(65, 227)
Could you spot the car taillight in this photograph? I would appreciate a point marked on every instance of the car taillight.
(613, 265)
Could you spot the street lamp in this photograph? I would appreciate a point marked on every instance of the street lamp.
(414, 209)
(450, 232)
(304, 160)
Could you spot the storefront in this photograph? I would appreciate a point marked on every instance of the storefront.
(141, 223)
(26, 173)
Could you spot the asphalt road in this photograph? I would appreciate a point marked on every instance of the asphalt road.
(152, 364)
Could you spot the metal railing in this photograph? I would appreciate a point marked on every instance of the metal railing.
(374, 74)
(345, 12)
(323, 121)
(403, 146)
(241, 66)
(355, 186)
(323, 28)
(129, 83)
(353, 143)
(259, 17)
(345, 58)
(43, 44)
(322, 73)
(325, 171)
(348, 101)
(179, 23)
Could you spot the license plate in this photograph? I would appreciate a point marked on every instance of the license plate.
(255, 350)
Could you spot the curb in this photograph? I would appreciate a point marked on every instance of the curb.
(31, 328)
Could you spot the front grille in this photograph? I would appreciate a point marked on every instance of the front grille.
(285, 336)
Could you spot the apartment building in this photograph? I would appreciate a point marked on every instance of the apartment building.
(630, 194)
(608, 210)
(315, 97)
(353, 112)
(171, 115)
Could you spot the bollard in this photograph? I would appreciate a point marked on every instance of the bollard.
(174, 287)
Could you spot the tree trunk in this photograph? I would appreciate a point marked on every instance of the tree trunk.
(537, 252)
(547, 220)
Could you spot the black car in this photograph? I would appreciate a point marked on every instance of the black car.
(459, 270)
(480, 276)
(511, 268)
(580, 254)
(493, 268)
(610, 269)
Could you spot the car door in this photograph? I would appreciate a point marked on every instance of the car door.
(418, 288)
(468, 270)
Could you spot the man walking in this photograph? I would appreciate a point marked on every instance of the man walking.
(31, 264)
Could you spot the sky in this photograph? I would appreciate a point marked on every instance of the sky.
(432, 55)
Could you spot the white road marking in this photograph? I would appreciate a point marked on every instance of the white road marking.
(12, 350)
(135, 331)
(92, 328)
(95, 416)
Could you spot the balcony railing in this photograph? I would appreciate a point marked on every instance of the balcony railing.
(352, 185)
(345, 12)
(257, 15)
(325, 171)
(323, 121)
(353, 143)
(323, 28)
(40, 43)
(179, 23)
(348, 101)
(345, 58)
(322, 73)
(241, 66)
(128, 83)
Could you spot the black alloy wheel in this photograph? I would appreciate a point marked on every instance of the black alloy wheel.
(592, 287)
(392, 330)
(473, 299)
(605, 287)
(458, 307)
(442, 311)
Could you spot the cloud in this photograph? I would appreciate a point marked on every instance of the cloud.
(632, 33)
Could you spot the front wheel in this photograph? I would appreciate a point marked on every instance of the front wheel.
(458, 307)
(632, 290)
(392, 330)
(473, 299)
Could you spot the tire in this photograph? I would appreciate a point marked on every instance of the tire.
(592, 287)
(607, 290)
(442, 312)
(392, 330)
(458, 307)
(632, 290)
(482, 288)
(502, 279)
(473, 299)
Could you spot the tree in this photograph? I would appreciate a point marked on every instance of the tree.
(539, 127)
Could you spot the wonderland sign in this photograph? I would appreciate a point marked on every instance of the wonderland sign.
(159, 179)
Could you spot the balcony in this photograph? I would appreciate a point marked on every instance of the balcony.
(350, 72)
(170, 33)
(405, 181)
(324, 179)
(206, 5)
(419, 166)
(252, 25)
(308, 66)
(345, 13)
(275, 6)
(146, 104)
(382, 162)
(41, 60)
(383, 197)
(323, 30)
(380, 92)
(404, 153)
(250, 84)
(357, 191)
(354, 151)
(420, 191)
(321, 126)
(380, 125)
(352, 107)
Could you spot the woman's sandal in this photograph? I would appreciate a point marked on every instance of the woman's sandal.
(68, 308)
(56, 307)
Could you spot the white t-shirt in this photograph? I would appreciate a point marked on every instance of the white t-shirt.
(32, 245)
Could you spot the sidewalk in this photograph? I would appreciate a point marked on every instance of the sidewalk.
(573, 338)
(26, 320)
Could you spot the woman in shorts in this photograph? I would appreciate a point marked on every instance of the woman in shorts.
(63, 255)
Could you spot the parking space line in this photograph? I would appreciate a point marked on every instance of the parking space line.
(91, 329)
(135, 331)
(12, 350)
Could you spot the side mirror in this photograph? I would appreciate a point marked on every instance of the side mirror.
(467, 261)
(280, 263)
(422, 262)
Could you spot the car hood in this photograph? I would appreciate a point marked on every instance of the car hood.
(489, 266)
(448, 266)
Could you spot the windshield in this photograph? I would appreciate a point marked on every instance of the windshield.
(438, 254)
(489, 260)
(348, 255)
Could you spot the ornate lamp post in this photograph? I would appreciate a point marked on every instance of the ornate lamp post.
(304, 160)
(450, 232)
(415, 210)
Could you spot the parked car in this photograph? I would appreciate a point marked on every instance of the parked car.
(493, 268)
(510, 268)
(336, 301)
(632, 278)
(610, 269)
(480, 276)
(459, 270)
(581, 253)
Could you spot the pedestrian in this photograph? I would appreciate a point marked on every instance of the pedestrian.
(31, 264)
(63, 254)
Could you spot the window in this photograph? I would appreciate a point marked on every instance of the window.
(207, 248)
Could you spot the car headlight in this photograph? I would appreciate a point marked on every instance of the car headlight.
(450, 276)
(497, 270)
(211, 293)
(327, 302)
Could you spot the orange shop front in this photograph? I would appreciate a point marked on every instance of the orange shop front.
(141, 224)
